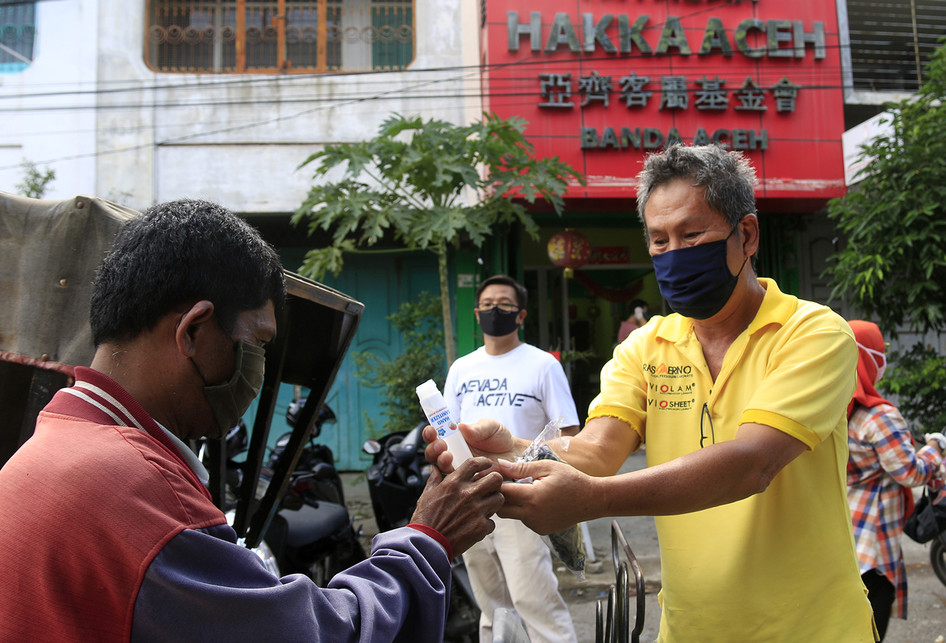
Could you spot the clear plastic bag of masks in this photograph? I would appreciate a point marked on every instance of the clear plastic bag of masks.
(568, 545)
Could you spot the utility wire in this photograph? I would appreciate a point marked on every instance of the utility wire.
(220, 80)
(467, 73)
(180, 139)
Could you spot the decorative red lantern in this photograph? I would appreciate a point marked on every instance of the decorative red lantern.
(570, 250)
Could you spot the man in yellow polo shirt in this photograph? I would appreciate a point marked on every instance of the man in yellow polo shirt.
(740, 398)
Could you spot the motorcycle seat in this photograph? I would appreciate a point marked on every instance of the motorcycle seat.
(309, 524)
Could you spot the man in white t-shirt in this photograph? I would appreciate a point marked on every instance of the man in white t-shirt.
(523, 387)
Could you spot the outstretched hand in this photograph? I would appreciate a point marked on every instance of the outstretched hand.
(459, 506)
(558, 497)
(485, 438)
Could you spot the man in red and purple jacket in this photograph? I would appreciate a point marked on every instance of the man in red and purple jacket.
(108, 531)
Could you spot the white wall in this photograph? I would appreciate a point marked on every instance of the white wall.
(237, 139)
(46, 116)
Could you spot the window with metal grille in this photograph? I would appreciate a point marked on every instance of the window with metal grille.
(279, 36)
(17, 31)
(892, 42)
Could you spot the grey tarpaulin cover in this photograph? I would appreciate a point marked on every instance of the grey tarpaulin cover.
(49, 252)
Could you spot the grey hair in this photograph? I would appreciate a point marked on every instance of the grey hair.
(727, 178)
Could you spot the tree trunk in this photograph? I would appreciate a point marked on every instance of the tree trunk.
(448, 340)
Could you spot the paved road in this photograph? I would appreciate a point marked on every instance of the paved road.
(927, 599)
(927, 622)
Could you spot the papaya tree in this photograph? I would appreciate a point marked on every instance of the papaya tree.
(427, 185)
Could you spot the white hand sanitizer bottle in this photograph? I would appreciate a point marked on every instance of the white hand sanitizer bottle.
(435, 408)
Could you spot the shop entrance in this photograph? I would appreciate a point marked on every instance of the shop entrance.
(579, 317)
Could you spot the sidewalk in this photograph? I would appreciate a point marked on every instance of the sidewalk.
(926, 600)
(927, 596)
(581, 596)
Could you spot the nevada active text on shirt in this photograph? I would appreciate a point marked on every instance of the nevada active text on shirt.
(493, 392)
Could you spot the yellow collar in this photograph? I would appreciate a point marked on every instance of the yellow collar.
(776, 308)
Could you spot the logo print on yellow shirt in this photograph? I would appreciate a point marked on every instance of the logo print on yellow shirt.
(663, 370)
(670, 383)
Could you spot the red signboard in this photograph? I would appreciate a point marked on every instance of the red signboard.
(602, 83)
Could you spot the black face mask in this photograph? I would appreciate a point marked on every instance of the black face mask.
(498, 323)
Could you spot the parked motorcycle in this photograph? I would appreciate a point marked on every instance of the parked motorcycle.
(235, 443)
(312, 532)
(396, 478)
(938, 544)
(927, 524)
(938, 556)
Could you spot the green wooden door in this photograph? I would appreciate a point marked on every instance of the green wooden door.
(381, 282)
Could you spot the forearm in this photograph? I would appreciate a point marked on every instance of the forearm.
(893, 444)
(690, 483)
(589, 457)
(717, 475)
(919, 469)
(200, 587)
(600, 448)
(570, 431)
(561, 495)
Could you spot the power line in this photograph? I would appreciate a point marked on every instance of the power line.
(707, 70)
(526, 98)
(220, 80)
(223, 130)
(460, 74)
(333, 104)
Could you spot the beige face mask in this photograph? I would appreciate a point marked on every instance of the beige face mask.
(230, 400)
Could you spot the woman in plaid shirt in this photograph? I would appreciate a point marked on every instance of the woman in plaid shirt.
(882, 467)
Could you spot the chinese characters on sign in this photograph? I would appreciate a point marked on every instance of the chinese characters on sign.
(556, 92)
(601, 83)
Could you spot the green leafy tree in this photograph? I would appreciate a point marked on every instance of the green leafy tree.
(34, 182)
(427, 185)
(917, 377)
(418, 323)
(893, 264)
(893, 267)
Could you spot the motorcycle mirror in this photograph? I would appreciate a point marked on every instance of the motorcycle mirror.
(371, 447)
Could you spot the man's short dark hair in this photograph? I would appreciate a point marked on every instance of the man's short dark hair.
(727, 178)
(176, 254)
(522, 295)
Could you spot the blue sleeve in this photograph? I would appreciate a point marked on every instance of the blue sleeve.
(202, 587)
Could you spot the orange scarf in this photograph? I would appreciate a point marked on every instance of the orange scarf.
(867, 335)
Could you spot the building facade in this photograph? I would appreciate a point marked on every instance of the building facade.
(604, 84)
(149, 100)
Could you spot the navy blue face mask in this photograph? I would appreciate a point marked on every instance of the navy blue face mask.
(696, 281)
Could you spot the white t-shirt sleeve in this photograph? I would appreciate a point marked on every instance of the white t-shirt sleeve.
(450, 394)
(558, 395)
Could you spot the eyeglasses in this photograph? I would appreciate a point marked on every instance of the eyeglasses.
(504, 306)
(706, 418)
